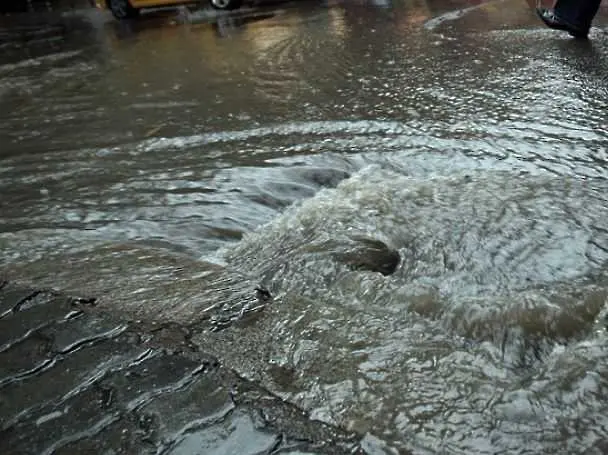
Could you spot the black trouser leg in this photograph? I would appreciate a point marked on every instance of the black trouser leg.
(579, 13)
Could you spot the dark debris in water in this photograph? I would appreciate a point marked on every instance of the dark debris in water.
(224, 316)
(92, 384)
(263, 294)
(370, 255)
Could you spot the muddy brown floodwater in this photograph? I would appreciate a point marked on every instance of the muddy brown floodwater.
(417, 189)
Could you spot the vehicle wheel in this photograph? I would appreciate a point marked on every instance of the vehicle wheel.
(226, 4)
(122, 9)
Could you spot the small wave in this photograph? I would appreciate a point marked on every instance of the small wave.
(435, 22)
(301, 128)
(50, 58)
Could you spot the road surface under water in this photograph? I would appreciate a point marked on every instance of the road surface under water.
(171, 165)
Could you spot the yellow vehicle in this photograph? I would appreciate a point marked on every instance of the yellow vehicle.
(125, 9)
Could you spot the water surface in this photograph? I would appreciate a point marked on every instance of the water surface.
(171, 165)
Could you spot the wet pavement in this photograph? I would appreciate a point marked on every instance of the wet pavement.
(75, 382)
(390, 216)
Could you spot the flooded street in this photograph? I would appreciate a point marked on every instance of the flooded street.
(418, 190)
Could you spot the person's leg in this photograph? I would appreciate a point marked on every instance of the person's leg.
(578, 13)
(587, 11)
(573, 16)
(567, 10)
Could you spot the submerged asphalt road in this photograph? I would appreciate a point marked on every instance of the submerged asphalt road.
(417, 189)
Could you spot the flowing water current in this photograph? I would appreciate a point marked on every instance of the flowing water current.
(423, 193)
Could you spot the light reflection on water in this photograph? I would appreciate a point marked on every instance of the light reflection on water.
(170, 168)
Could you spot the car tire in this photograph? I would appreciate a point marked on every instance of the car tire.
(122, 9)
(226, 4)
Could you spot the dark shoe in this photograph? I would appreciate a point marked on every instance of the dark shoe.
(550, 19)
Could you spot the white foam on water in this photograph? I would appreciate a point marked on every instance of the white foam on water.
(37, 61)
(454, 15)
(362, 127)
